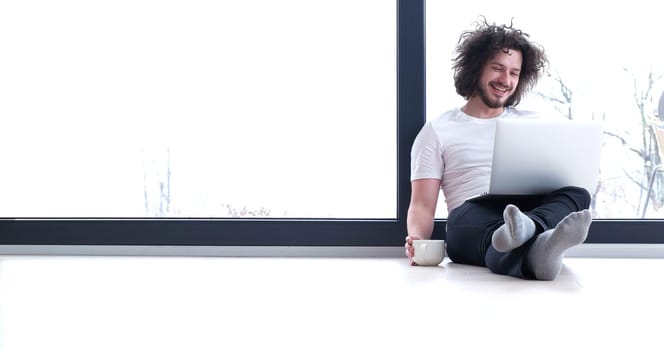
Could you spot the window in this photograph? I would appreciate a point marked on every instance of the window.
(151, 123)
(383, 225)
(200, 109)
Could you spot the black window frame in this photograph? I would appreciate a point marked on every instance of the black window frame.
(411, 115)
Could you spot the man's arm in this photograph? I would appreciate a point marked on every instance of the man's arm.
(423, 200)
(421, 211)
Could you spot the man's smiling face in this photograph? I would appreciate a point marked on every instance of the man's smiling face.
(500, 77)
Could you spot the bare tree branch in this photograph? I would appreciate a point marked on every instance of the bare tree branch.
(549, 98)
(622, 140)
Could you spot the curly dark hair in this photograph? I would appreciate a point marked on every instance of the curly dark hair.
(477, 46)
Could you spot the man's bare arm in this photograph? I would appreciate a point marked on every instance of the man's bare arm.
(423, 200)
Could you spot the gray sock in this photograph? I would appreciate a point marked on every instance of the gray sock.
(518, 228)
(546, 254)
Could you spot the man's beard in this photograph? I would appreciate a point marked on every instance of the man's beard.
(487, 100)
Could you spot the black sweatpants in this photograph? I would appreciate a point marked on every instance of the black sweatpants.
(471, 226)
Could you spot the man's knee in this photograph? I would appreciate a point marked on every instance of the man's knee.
(579, 195)
(464, 244)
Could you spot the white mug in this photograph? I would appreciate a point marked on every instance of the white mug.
(428, 252)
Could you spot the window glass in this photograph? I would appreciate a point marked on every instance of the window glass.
(606, 67)
(198, 108)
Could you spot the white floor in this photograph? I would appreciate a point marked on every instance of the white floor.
(57, 302)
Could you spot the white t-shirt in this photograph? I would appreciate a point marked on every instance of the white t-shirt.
(457, 149)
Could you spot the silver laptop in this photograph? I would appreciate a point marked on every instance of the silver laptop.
(537, 156)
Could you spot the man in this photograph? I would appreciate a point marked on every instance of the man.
(524, 237)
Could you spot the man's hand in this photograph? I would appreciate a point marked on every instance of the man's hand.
(410, 251)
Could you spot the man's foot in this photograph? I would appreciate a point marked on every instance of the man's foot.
(518, 229)
(546, 254)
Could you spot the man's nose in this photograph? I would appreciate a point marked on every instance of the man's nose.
(504, 78)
